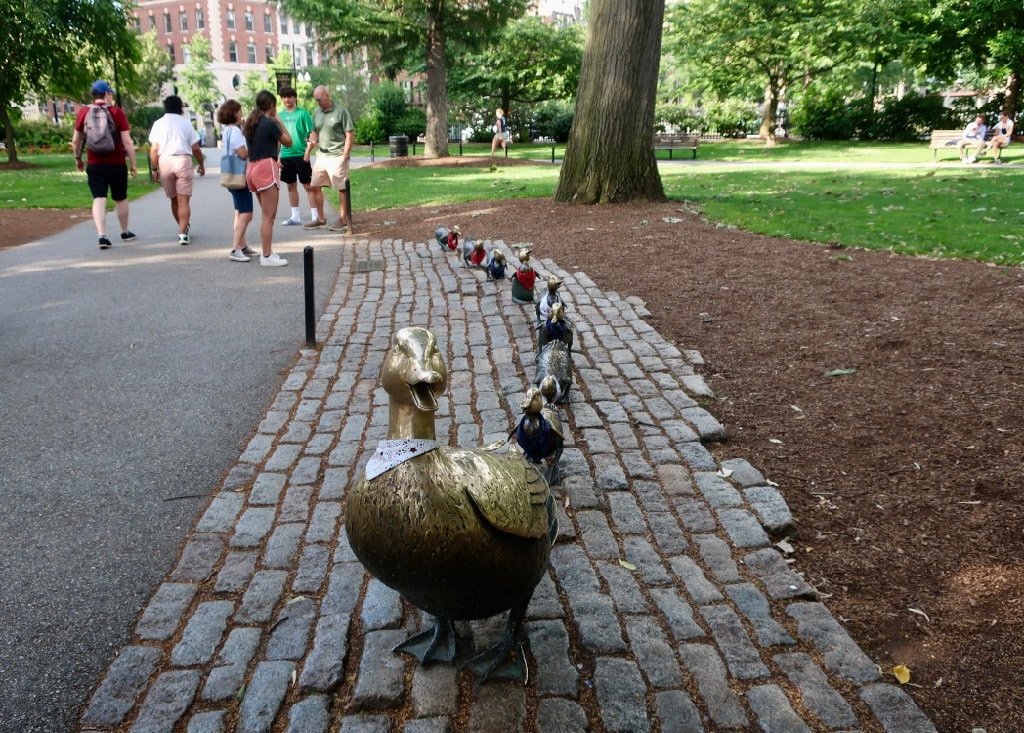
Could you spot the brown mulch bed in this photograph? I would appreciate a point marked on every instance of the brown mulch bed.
(904, 475)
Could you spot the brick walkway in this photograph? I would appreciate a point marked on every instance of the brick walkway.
(268, 622)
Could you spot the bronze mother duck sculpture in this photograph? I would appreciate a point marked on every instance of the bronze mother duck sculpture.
(461, 533)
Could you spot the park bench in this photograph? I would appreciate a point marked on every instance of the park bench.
(676, 142)
(947, 140)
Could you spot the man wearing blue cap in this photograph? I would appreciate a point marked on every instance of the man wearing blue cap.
(106, 170)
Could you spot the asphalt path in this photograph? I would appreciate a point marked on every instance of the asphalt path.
(130, 381)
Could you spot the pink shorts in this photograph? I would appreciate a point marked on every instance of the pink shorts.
(262, 174)
(176, 175)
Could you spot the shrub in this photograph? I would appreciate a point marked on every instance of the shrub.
(823, 116)
(412, 124)
(44, 133)
(368, 130)
(387, 106)
(553, 120)
(912, 118)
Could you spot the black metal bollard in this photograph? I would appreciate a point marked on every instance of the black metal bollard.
(348, 205)
(307, 268)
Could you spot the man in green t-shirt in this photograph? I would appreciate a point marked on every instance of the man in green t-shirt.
(295, 167)
(333, 133)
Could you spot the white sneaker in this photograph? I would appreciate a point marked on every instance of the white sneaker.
(273, 261)
(183, 238)
(290, 223)
(238, 256)
(972, 159)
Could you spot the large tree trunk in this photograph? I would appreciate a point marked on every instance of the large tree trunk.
(1012, 102)
(610, 157)
(769, 112)
(12, 150)
(436, 145)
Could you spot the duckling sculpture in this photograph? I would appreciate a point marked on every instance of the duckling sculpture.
(461, 533)
(554, 360)
(539, 432)
(523, 278)
(473, 253)
(495, 264)
(543, 307)
(447, 239)
(555, 327)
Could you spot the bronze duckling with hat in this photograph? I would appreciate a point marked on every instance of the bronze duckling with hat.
(461, 533)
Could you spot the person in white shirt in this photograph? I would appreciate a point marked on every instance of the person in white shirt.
(974, 138)
(1002, 138)
(173, 144)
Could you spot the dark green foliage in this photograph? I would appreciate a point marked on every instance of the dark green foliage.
(553, 120)
(141, 121)
(44, 134)
(823, 116)
(912, 118)
(412, 124)
(368, 130)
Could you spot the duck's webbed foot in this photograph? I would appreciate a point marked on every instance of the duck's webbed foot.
(506, 658)
(436, 644)
(554, 474)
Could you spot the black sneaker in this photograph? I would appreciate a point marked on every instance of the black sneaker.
(127, 236)
(104, 243)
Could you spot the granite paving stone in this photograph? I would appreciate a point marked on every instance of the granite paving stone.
(666, 607)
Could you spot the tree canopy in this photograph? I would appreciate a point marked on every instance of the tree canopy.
(58, 47)
(403, 30)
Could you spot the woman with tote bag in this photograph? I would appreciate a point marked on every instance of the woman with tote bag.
(235, 154)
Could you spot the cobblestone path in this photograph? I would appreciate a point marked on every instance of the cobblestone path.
(666, 608)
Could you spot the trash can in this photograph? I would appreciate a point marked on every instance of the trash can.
(399, 146)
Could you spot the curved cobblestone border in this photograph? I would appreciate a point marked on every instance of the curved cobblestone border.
(268, 622)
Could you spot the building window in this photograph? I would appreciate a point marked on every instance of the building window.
(249, 21)
(200, 21)
(170, 52)
(183, 20)
(268, 24)
(295, 26)
(167, 22)
(284, 24)
(250, 51)
(138, 24)
(229, 19)
(270, 54)
(186, 53)
(300, 57)
(152, 21)
(233, 52)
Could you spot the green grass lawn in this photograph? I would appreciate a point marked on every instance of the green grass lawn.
(885, 200)
(53, 183)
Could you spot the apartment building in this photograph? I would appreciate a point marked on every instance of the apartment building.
(244, 36)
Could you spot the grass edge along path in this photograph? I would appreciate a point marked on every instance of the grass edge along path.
(890, 201)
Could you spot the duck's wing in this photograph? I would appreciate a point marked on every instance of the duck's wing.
(509, 492)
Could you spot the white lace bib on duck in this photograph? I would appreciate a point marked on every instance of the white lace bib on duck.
(391, 453)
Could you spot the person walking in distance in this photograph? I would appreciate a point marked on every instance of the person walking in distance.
(265, 134)
(107, 144)
(229, 115)
(333, 134)
(295, 167)
(173, 142)
(500, 130)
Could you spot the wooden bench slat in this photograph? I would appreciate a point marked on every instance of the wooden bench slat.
(677, 142)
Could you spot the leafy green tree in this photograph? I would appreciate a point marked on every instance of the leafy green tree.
(986, 36)
(36, 47)
(198, 85)
(609, 157)
(734, 44)
(529, 62)
(142, 83)
(399, 30)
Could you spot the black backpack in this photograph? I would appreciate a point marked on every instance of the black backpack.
(99, 129)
